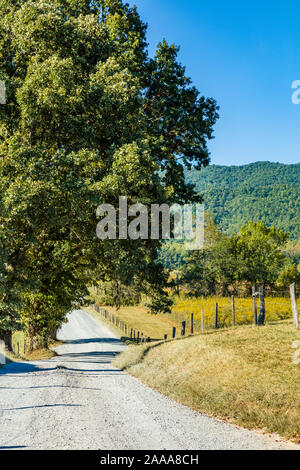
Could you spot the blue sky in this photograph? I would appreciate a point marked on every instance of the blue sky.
(246, 55)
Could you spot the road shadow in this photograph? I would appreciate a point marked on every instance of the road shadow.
(40, 406)
(94, 340)
(104, 357)
(51, 386)
(12, 447)
(23, 368)
(108, 372)
(80, 357)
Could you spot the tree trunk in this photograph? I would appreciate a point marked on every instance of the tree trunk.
(262, 309)
(294, 305)
(45, 342)
(254, 304)
(53, 334)
(7, 338)
(233, 310)
(118, 296)
(177, 284)
(216, 316)
(30, 341)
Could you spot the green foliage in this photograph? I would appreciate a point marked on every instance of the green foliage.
(114, 294)
(253, 256)
(38, 325)
(160, 303)
(89, 117)
(199, 274)
(288, 275)
(258, 248)
(261, 191)
(173, 254)
(292, 251)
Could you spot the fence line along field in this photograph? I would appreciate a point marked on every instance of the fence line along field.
(157, 327)
(277, 308)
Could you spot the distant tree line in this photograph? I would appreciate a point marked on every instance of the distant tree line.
(261, 191)
(257, 255)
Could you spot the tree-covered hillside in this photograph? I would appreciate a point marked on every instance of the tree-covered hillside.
(259, 191)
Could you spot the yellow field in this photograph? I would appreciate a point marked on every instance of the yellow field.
(156, 326)
(277, 308)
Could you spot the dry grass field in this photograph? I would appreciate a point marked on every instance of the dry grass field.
(139, 318)
(244, 375)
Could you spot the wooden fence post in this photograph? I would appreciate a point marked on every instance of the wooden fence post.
(217, 316)
(166, 337)
(174, 332)
(254, 305)
(294, 305)
(192, 323)
(233, 310)
(262, 308)
(177, 284)
(183, 328)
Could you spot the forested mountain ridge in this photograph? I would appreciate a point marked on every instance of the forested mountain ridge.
(258, 191)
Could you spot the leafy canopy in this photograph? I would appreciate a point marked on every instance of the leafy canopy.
(89, 117)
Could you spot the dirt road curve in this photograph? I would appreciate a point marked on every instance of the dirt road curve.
(80, 401)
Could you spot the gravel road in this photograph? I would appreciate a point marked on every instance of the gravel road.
(78, 400)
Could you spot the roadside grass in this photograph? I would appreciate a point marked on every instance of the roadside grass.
(21, 353)
(37, 355)
(244, 375)
(40, 354)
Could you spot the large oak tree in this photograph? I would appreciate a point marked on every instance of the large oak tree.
(89, 117)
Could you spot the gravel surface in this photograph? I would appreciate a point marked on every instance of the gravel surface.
(78, 400)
